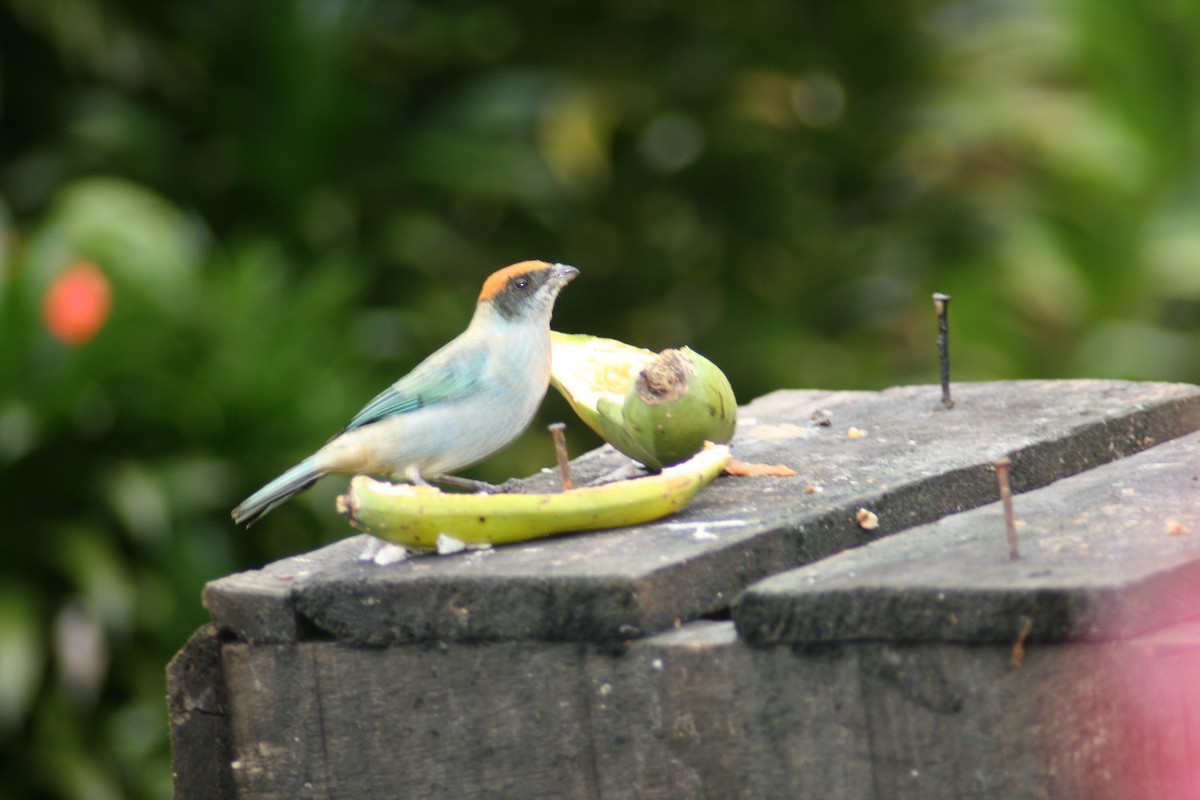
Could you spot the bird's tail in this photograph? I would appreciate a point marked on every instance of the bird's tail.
(294, 481)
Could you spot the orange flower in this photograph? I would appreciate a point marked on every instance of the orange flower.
(78, 303)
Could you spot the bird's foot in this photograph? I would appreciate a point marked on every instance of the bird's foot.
(510, 486)
(621, 473)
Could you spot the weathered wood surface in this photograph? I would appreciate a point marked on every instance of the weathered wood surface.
(695, 713)
(578, 667)
(199, 719)
(1106, 554)
(915, 464)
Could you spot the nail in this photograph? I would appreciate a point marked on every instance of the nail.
(1018, 648)
(1010, 522)
(560, 449)
(940, 304)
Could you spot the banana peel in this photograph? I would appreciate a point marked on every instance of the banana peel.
(657, 408)
(415, 516)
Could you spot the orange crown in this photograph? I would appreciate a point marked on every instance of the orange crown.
(499, 279)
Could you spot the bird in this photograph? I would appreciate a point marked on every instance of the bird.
(460, 405)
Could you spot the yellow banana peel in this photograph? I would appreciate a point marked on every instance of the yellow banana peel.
(414, 516)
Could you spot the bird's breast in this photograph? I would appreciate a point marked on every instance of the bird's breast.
(448, 436)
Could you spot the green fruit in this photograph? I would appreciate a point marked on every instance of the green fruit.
(676, 404)
(657, 409)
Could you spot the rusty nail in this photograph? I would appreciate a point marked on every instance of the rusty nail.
(1010, 522)
(560, 449)
(1018, 648)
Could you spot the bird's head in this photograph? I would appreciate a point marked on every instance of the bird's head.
(525, 292)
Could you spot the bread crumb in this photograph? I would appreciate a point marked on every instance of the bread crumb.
(1174, 527)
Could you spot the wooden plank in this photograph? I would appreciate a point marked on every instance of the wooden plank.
(258, 605)
(696, 713)
(950, 722)
(322, 720)
(916, 463)
(196, 702)
(1106, 554)
(678, 715)
(1089, 720)
(277, 733)
(1150, 693)
(693, 713)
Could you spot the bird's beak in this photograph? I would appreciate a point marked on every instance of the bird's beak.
(564, 274)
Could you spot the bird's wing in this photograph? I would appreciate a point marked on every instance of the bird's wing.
(433, 381)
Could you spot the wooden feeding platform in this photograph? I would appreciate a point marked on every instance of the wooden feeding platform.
(855, 631)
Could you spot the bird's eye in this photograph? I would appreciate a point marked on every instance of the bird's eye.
(521, 283)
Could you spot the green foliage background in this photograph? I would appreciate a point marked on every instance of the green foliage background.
(295, 201)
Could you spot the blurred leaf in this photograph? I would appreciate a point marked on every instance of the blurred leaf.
(22, 656)
(139, 500)
(97, 570)
(141, 237)
(1136, 351)
(81, 653)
